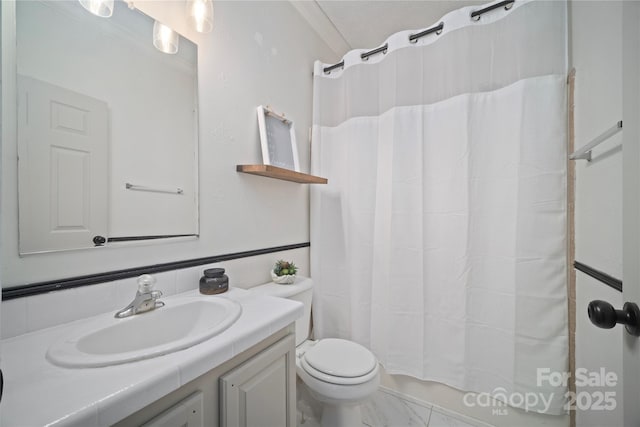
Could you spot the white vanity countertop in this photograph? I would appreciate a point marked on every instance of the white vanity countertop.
(38, 393)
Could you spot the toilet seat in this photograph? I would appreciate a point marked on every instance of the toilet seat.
(339, 361)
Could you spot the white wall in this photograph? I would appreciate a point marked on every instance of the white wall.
(596, 54)
(258, 53)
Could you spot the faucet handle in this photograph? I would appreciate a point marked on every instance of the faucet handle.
(146, 283)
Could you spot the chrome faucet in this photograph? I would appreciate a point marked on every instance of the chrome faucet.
(145, 300)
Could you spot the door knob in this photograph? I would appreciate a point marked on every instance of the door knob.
(99, 240)
(603, 315)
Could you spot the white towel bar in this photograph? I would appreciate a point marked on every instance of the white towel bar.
(136, 187)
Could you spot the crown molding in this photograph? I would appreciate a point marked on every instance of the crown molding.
(322, 25)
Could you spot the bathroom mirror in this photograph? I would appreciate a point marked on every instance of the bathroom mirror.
(107, 129)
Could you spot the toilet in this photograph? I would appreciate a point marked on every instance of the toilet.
(340, 374)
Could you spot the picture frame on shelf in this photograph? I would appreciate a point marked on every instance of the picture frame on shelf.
(277, 139)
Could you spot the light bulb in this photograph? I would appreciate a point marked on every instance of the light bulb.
(102, 8)
(164, 38)
(200, 15)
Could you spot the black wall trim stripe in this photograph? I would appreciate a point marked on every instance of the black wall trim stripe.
(92, 279)
(134, 238)
(599, 275)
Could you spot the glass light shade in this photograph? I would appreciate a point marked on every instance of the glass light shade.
(165, 39)
(200, 15)
(102, 8)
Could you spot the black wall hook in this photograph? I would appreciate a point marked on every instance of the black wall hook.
(603, 315)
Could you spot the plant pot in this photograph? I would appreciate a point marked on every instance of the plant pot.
(287, 279)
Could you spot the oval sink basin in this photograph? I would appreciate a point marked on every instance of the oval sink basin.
(181, 323)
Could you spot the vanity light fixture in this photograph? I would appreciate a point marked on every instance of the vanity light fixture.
(200, 15)
(102, 8)
(164, 38)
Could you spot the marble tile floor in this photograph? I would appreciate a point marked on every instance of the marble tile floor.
(383, 410)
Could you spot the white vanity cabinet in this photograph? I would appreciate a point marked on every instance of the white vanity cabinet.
(255, 388)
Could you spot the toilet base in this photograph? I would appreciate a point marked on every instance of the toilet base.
(341, 415)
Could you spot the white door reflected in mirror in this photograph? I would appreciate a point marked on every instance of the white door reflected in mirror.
(62, 137)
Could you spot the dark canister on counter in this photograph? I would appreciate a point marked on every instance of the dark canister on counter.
(214, 281)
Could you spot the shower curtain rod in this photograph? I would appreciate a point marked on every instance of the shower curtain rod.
(413, 38)
(366, 55)
(330, 68)
(508, 4)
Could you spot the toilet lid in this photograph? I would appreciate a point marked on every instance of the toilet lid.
(340, 358)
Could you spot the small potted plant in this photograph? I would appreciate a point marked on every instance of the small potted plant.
(284, 272)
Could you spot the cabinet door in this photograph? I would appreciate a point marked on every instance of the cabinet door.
(261, 391)
(187, 413)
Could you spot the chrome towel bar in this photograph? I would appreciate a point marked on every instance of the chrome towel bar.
(136, 187)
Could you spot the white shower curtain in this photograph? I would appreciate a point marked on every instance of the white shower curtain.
(440, 241)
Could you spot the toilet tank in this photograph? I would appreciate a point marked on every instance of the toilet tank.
(301, 290)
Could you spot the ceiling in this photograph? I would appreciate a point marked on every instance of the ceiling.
(363, 24)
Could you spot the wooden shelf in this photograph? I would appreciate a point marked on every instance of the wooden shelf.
(280, 173)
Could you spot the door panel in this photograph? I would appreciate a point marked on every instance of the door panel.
(62, 166)
(70, 173)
